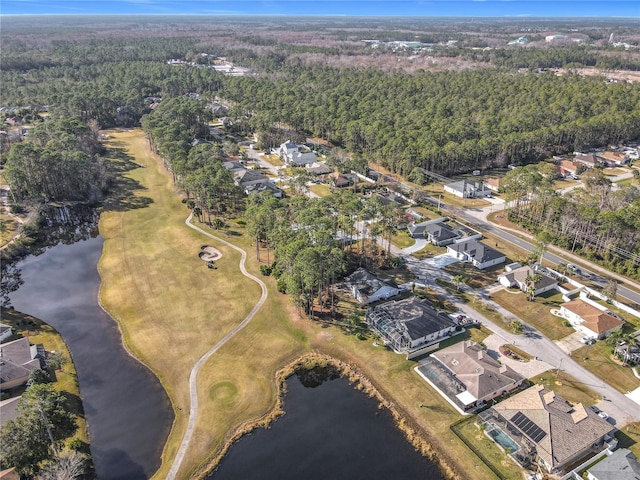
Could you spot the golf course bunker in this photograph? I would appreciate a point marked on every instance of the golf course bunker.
(209, 254)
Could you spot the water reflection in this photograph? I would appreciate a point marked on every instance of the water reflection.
(127, 410)
(328, 431)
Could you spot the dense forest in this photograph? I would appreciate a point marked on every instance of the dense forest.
(601, 223)
(447, 122)
(503, 108)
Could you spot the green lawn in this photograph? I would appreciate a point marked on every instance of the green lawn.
(567, 387)
(320, 189)
(474, 277)
(597, 359)
(273, 160)
(402, 239)
(500, 461)
(66, 377)
(536, 313)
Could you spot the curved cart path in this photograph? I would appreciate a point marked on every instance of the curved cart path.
(193, 392)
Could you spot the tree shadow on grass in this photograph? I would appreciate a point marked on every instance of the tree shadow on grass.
(124, 194)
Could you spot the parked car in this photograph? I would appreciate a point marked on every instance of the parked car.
(594, 409)
(603, 415)
(588, 340)
(573, 268)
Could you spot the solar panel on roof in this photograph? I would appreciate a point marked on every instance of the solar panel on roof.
(530, 429)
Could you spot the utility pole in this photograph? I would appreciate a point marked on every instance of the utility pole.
(558, 369)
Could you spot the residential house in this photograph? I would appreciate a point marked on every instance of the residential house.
(590, 160)
(493, 183)
(481, 378)
(234, 166)
(5, 332)
(622, 464)
(409, 324)
(264, 187)
(293, 155)
(434, 231)
(594, 321)
(475, 252)
(340, 180)
(367, 288)
(467, 189)
(518, 278)
(244, 178)
(319, 168)
(630, 351)
(615, 158)
(17, 359)
(546, 429)
(13, 121)
(567, 168)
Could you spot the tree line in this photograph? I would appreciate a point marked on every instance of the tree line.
(59, 160)
(596, 221)
(309, 244)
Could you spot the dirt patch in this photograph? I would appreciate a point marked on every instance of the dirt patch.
(209, 254)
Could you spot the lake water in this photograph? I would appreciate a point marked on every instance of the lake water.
(332, 431)
(127, 410)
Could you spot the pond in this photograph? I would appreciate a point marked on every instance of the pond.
(127, 410)
(330, 431)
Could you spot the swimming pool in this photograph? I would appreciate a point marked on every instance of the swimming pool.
(501, 438)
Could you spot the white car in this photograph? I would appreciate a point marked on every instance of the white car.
(603, 415)
(588, 340)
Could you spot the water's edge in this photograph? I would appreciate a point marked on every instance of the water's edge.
(359, 381)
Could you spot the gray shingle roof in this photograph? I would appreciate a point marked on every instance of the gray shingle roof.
(620, 465)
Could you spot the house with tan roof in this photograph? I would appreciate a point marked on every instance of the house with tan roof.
(493, 183)
(567, 168)
(594, 321)
(615, 158)
(546, 429)
(478, 377)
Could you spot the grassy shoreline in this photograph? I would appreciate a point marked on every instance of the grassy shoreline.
(165, 300)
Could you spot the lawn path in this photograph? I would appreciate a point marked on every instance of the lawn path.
(193, 391)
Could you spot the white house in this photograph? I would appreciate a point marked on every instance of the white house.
(409, 324)
(367, 288)
(518, 278)
(293, 154)
(475, 252)
(594, 321)
(467, 189)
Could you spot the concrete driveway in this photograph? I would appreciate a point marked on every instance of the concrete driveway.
(570, 343)
(527, 369)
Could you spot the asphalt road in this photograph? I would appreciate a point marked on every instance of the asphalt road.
(587, 274)
(477, 217)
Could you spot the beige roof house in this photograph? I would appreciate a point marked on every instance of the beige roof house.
(590, 319)
(559, 433)
(483, 377)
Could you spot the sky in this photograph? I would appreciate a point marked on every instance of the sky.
(426, 8)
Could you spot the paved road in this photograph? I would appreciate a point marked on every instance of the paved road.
(478, 217)
(621, 408)
(193, 377)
